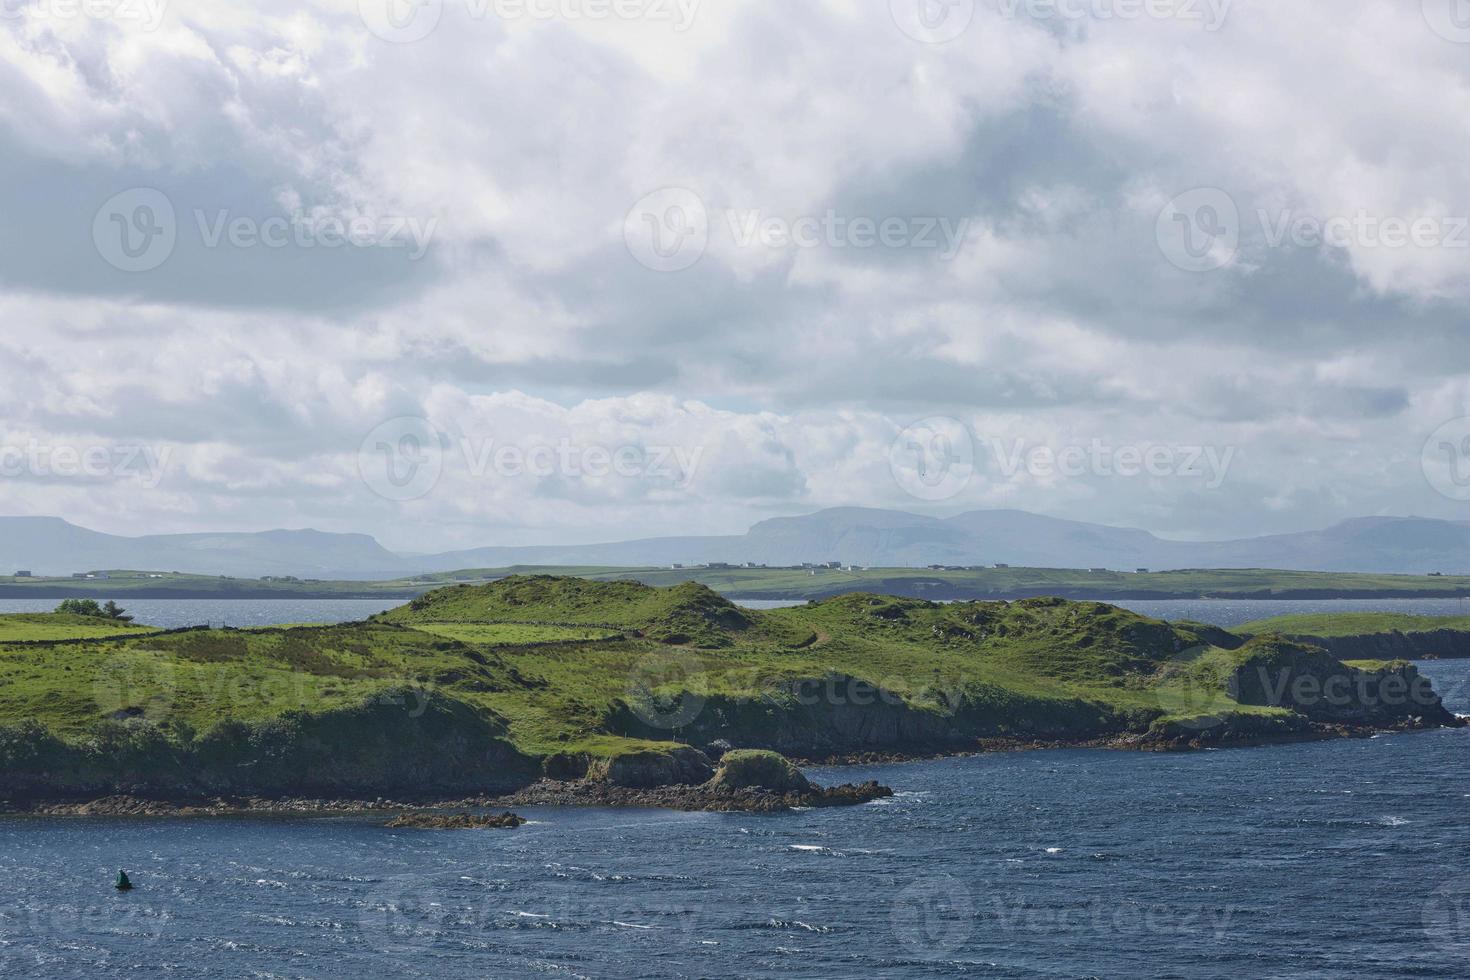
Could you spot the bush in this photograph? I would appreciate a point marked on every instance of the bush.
(89, 607)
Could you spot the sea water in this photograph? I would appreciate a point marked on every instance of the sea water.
(1327, 859)
(173, 613)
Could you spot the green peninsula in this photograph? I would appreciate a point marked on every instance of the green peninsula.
(488, 690)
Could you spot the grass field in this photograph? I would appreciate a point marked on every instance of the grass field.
(15, 627)
(514, 634)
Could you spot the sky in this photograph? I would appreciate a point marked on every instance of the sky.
(471, 272)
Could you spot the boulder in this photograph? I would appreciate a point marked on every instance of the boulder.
(650, 768)
(759, 769)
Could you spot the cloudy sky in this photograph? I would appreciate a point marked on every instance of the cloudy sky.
(469, 272)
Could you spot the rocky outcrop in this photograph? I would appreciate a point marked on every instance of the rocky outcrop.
(747, 780)
(643, 770)
(744, 769)
(693, 798)
(455, 821)
(1319, 687)
(396, 744)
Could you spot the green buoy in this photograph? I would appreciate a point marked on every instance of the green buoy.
(123, 884)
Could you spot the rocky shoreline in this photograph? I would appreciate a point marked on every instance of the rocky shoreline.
(693, 798)
(455, 821)
(786, 790)
(431, 815)
(136, 806)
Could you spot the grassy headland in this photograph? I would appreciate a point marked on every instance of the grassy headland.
(484, 689)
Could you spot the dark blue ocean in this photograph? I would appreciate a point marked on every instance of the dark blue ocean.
(1332, 859)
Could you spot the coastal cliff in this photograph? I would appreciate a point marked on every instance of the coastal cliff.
(1442, 644)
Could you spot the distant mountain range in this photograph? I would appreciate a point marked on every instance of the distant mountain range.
(1408, 545)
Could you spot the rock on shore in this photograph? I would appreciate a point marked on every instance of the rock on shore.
(455, 821)
(747, 780)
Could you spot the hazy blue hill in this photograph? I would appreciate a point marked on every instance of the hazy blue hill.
(851, 535)
(1408, 545)
(1020, 538)
(854, 535)
(51, 546)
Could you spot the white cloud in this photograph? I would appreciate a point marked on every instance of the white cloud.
(789, 369)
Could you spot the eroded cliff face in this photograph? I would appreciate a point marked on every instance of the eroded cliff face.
(645, 770)
(1321, 688)
(840, 715)
(379, 748)
(1430, 645)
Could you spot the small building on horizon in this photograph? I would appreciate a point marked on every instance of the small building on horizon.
(22, 574)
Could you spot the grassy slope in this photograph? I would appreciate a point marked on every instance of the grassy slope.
(1354, 624)
(1038, 667)
(193, 681)
(16, 627)
(515, 634)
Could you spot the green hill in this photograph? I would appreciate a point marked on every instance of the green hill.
(686, 613)
(483, 688)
